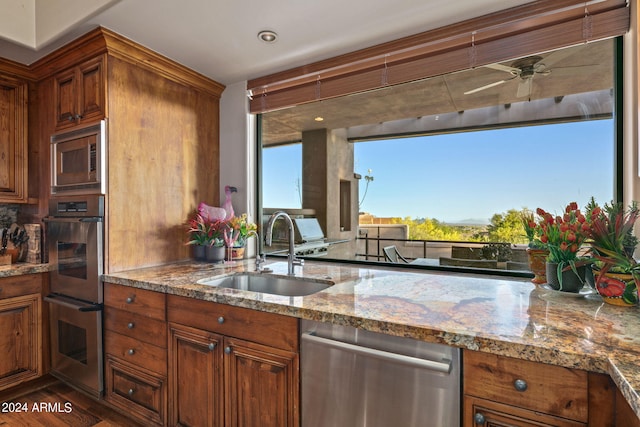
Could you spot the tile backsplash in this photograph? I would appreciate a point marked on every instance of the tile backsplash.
(8, 215)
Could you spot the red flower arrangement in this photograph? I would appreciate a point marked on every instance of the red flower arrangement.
(563, 235)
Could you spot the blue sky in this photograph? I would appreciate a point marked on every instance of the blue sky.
(470, 175)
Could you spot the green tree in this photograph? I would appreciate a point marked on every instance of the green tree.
(507, 227)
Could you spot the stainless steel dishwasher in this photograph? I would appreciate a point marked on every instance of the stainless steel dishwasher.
(356, 378)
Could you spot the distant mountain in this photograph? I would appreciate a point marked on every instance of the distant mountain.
(470, 221)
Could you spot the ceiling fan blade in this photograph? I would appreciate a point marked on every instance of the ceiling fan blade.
(524, 88)
(559, 55)
(500, 67)
(490, 85)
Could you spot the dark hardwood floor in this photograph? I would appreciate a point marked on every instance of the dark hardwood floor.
(48, 402)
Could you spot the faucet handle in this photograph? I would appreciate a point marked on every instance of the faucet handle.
(297, 261)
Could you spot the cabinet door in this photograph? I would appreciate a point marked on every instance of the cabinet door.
(65, 84)
(80, 93)
(195, 377)
(486, 413)
(91, 90)
(13, 141)
(20, 340)
(262, 385)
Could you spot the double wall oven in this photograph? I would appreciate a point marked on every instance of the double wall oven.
(75, 241)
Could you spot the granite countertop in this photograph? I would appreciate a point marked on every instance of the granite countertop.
(22, 268)
(500, 315)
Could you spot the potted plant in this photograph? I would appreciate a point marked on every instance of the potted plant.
(564, 236)
(206, 236)
(616, 272)
(239, 230)
(536, 251)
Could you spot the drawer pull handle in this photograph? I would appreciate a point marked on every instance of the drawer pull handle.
(221, 320)
(520, 385)
(130, 325)
(212, 346)
(227, 350)
(131, 352)
(129, 300)
(130, 392)
(479, 418)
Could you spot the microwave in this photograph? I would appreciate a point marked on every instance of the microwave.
(78, 160)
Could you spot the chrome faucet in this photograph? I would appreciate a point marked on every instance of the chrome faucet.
(291, 257)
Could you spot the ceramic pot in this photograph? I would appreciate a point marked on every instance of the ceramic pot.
(570, 281)
(215, 253)
(198, 252)
(537, 264)
(619, 289)
(237, 253)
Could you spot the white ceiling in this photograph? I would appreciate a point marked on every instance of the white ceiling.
(218, 38)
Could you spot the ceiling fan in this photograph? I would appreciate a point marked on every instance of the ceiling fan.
(525, 69)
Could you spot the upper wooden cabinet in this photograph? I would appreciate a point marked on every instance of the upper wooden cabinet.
(80, 93)
(13, 140)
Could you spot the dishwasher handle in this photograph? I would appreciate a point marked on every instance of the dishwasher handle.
(443, 366)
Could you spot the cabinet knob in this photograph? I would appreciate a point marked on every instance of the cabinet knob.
(78, 116)
(130, 325)
(130, 392)
(129, 300)
(478, 418)
(227, 350)
(221, 320)
(131, 352)
(212, 346)
(70, 118)
(520, 385)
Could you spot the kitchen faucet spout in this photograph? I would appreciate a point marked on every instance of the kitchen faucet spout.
(292, 261)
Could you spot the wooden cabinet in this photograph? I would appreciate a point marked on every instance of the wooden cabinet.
(13, 140)
(231, 366)
(20, 329)
(136, 352)
(79, 93)
(502, 391)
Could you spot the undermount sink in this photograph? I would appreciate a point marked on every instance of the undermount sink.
(267, 284)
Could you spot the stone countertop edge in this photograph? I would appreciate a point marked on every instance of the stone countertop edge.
(504, 316)
(20, 269)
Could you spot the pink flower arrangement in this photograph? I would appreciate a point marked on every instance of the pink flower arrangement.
(563, 235)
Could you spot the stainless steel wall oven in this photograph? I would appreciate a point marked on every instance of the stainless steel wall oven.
(74, 234)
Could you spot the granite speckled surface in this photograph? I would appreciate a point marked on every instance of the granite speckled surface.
(500, 315)
(21, 268)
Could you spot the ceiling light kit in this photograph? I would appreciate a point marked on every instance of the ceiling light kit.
(268, 36)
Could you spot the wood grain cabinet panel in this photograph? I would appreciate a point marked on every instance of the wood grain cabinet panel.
(503, 391)
(20, 339)
(79, 93)
(135, 343)
(225, 380)
(13, 140)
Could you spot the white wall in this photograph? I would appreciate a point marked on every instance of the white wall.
(237, 150)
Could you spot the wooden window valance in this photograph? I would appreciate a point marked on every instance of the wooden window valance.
(535, 27)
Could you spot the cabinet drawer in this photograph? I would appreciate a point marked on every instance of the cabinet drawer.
(142, 328)
(481, 413)
(550, 389)
(140, 301)
(20, 285)
(136, 352)
(265, 328)
(138, 393)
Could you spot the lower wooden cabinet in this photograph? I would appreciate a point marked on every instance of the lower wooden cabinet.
(220, 380)
(135, 342)
(503, 391)
(20, 339)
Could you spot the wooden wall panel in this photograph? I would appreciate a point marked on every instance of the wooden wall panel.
(162, 161)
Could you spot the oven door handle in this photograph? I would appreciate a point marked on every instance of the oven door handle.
(73, 303)
(73, 219)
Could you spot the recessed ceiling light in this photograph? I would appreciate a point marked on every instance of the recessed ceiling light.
(319, 119)
(268, 36)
